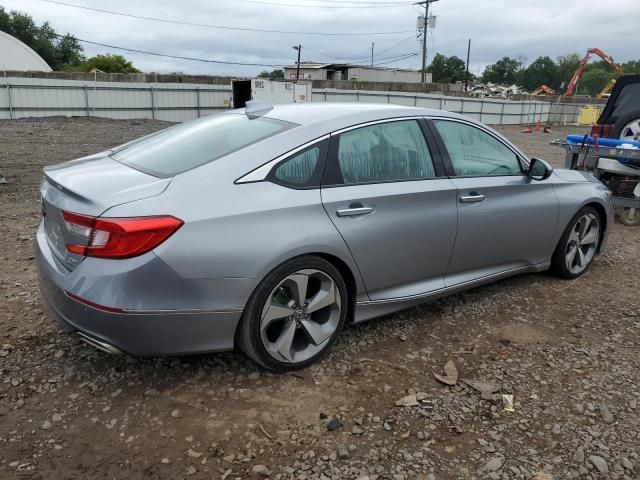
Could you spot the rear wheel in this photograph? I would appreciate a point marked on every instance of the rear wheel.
(578, 244)
(295, 314)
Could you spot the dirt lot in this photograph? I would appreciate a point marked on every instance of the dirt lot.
(568, 352)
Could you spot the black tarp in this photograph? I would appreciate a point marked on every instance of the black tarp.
(624, 99)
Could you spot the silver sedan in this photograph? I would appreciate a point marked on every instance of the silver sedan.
(270, 227)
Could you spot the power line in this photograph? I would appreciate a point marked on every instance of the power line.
(360, 1)
(220, 62)
(375, 5)
(178, 57)
(222, 27)
(397, 59)
(363, 57)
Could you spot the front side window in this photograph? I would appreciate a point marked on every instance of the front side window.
(192, 144)
(473, 152)
(384, 152)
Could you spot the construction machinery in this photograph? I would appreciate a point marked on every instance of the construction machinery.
(606, 91)
(543, 90)
(591, 51)
(612, 150)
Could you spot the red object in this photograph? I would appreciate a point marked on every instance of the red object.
(97, 306)
(547, 130)
(603, 131)
(583, 62)
(526, 130)
(119, 237)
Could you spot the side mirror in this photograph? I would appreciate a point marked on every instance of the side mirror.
(539, 169)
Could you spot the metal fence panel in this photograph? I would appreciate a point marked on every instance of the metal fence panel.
(178, 102)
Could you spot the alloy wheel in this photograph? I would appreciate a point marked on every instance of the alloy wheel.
(300, 316)
(582, 243)
(631, 131)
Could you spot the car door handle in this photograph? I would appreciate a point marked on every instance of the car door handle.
(354, 210)
(473, 197)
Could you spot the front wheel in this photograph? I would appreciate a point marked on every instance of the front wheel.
(578, 244)
(294, 315)
(630, 216)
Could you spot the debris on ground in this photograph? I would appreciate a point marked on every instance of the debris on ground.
(507, 402)
(572, 362)
(450, 376)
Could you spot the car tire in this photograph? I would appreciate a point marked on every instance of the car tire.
(578, 245)
(621, 129)
(281, 332)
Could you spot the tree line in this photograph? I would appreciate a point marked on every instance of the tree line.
(64, 53)
(542, 71)
(61, 52)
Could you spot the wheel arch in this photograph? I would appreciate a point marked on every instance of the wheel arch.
(349, 280)
(602, 214)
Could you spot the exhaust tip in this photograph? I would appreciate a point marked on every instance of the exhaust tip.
(100, 345)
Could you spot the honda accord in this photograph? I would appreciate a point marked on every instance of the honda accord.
(268, 228)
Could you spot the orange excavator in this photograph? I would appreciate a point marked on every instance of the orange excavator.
(591, 51)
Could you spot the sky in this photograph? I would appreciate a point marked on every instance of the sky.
(497, 28)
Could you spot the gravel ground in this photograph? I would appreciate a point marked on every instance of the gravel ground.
(568, 352)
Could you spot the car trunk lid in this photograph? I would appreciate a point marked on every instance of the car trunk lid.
(89, 186)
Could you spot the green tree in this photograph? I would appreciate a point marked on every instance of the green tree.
(594, 80)
(543, 71)
(504, 71)
(272, 75)
(632, 67)
(567, 65)
(59, 51)
(107, 63)
(447, 69)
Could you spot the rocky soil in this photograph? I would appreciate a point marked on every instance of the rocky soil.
(544, 373)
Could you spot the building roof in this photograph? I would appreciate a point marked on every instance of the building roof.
(339, 66)
(15, 55)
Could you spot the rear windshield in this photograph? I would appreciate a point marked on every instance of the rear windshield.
(189, 145)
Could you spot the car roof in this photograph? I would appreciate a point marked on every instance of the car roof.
(345, 114)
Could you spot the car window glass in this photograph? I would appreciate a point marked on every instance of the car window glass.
(384, 152)
(191, 144)
(474, 152)
(298, 169)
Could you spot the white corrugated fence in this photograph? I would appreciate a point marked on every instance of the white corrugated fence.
(177, 102)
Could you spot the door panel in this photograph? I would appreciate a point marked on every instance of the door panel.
(512, 226)
(505, 220)
(382, 192)
(403, 246)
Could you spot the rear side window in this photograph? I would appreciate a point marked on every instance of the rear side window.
(192, 144)
(473, 152)
(302, 169)
(385, 152)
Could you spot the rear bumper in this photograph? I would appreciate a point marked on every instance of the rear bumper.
(140, 333)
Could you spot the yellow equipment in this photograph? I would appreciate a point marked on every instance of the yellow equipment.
(588, 115)
(543, 90)
(606, 91)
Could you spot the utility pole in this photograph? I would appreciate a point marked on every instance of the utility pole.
(426, 4)
(466, 76)
(372, 45)
(299, 49)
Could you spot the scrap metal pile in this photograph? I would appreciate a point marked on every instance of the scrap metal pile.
(493, 90)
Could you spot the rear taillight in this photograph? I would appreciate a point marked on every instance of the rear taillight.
(119, 237)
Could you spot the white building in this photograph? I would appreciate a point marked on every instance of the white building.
(343, 71)
(15, 55)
